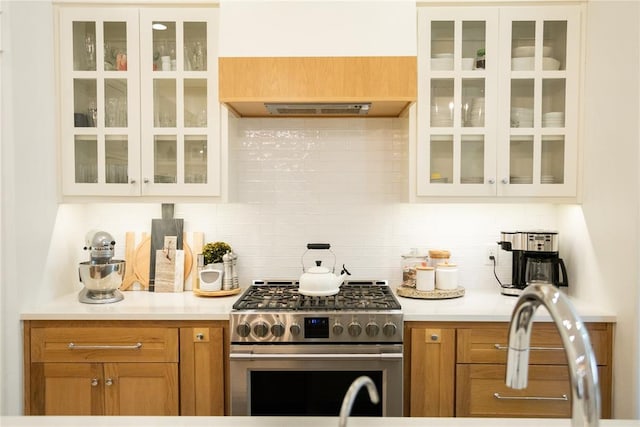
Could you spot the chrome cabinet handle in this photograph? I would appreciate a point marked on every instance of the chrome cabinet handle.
(133, 181)
(504, 180)
(94, 382)
(505, 347)
(491, 181)
(146, 180)
(109, 382)
(500, 397)
(73, 346)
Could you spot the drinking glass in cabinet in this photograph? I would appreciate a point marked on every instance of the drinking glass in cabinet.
(84, 102)
(165, 164)
(116, 159)
(442, 45)
(441, 159)
(86, 158)
(115, 46)
(473, 108)
(522, 103)
(553, 103)
(442, 102)
(195, 159)
(472, 159)
(195, 46)
(84, 46)
(552, 159)
(164, 46)
(195, 102)
(115, 92)
(164, 103)
(521, 159)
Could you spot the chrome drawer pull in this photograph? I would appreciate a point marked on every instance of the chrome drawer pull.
(73, 346)
(506, 347)
(499, 397)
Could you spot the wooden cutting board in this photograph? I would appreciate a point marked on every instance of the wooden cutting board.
(142, 260)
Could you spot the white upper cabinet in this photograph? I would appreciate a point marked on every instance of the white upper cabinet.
(498, 101)
(138, 102)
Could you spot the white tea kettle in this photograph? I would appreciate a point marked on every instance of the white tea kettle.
(319, 280)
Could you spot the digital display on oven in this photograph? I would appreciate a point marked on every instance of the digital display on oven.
(316, 327)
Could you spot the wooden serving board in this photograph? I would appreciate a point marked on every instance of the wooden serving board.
(223, 293)
(138, 258)
(407, 292)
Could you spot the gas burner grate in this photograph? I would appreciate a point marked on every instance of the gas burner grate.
(286, 297)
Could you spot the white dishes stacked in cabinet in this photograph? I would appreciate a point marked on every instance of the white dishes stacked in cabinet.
(523, 59)
(553, 119)
(442, 62)
(521, 117)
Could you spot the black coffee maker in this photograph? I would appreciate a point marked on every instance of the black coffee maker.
(535, 260)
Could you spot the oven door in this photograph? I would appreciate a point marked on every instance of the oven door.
(311, 380)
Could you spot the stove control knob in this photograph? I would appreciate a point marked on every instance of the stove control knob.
(338, 329)
(355, 329)
(261, 329)
(372, 329)
(295, 329)
(389, 329)
(243, 329)
(277, 330)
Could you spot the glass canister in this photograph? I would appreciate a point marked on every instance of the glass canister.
(438, 256)
(409, 263)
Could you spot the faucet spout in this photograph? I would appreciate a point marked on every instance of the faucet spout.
(352, 392)
(585, 391)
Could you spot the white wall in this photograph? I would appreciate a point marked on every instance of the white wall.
(611, 191)
(317, 28)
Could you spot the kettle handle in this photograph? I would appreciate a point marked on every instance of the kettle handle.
(565, 281)
(318, 246)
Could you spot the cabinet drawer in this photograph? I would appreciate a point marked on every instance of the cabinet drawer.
(108, 344)
(489, 345)
(481, 392)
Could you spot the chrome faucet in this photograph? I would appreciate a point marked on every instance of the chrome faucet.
(352, 392)
(585, 391)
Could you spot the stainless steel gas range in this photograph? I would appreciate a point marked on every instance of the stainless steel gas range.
(294, 354)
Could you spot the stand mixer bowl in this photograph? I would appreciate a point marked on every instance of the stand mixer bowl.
(101, 281)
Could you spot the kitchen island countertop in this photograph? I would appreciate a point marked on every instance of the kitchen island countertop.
(480, 305)
(103, 421)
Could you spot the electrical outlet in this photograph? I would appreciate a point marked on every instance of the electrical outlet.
(491, 251)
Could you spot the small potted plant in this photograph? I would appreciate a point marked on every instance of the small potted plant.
(213, 252)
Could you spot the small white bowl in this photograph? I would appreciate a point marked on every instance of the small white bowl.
(441, 64)
(522, 64)
(524, 51)
(467, 63)
(550, 64)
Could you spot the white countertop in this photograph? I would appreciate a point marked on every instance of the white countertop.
(49, 421)
(474, 306)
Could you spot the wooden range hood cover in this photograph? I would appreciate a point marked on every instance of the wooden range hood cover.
(387, 82)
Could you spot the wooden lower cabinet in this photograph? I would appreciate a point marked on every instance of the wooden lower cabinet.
(124, 368)
(458, 369)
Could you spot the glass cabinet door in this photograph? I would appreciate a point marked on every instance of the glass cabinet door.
(542, 46)
(183, 114)
(100, 136)
(456, 74)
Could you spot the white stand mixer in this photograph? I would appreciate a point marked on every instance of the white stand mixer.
(102, 275)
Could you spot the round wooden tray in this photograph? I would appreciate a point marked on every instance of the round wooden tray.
(224, 293)
(405, 291)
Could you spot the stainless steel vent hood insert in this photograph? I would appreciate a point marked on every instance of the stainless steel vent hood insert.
(317, 109)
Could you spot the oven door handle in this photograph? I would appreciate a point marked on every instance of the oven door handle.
(308, 356)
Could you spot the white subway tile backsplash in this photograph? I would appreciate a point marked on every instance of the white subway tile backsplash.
(342, 181)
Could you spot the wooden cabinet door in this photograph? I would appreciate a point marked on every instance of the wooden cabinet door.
(141, 388)
(202, 369)
(432, 372)
(67, 389)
